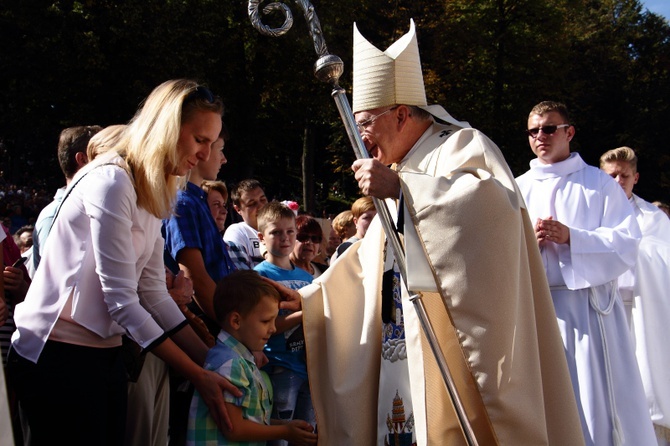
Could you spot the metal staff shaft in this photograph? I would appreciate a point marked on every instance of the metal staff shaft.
(328, 68)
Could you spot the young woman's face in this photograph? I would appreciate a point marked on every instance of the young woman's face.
(195, 140)
(209, 169)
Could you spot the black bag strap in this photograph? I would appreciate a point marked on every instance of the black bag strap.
(69, 189)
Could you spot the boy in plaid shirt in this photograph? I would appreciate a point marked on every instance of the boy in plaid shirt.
(246, 308)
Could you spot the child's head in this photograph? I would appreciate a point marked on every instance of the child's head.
(276, 229)
(246, 306)
(363, 211)
(344, 226)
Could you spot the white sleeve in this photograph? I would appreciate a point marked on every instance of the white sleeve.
(153, 291)
(600, 255)
(110, 202)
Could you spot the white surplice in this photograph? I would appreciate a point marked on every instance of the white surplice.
(604, 239)
(646, 292)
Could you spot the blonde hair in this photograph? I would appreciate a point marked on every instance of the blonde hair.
(662, 206)
(102, 141)
(149, 143)
(622, 154)
(361, 206)
(342, 223)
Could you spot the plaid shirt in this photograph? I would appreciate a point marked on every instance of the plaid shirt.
(239, 256)
(243, 242)
(232, 360)
(192, 226)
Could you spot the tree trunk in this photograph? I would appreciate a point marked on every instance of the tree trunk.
(308, 170)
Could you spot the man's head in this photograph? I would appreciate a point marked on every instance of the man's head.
(390, 132)
(621, 164)
(248, 198)
(72, 145)
(277, 229)
(246, 306)
(389, 98)
(550, 132)
(363, 211)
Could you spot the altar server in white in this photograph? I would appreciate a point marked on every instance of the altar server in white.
(587, 236)
(645, 290)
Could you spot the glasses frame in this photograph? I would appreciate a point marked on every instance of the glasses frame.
(315, 239)
(364, 124)
(544, 129)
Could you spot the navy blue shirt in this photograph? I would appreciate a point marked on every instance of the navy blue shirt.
(192, 226)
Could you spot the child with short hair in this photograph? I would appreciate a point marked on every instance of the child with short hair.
(246, 307)
(287, 366)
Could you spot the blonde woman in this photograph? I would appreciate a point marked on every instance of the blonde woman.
(102, 275)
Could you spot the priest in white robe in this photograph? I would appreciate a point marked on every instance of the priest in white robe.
(588, 237)
(472, 254)
(645, 290)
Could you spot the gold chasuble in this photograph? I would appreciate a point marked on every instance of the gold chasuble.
(505, 349)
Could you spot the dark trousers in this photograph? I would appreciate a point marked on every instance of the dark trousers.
(74, 395)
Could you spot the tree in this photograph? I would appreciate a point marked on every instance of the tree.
(92, 62)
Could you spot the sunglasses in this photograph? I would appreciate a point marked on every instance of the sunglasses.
(303, 238)
(547, 130)
(200, 92)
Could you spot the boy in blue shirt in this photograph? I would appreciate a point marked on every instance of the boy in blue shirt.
(246, 307)
(287, 366)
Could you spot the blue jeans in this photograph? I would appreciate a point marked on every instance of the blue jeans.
(292, 399)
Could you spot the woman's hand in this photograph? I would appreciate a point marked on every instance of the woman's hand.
(211, 386)
(260, 359)
(180, 288)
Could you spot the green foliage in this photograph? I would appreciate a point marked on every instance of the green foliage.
(487, 61)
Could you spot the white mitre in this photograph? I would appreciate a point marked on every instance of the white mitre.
(383, 79)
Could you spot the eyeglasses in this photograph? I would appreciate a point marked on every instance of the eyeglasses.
(364, 124)
(200, 92)
(547, 130)
(303, 238)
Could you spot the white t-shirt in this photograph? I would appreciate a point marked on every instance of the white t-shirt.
(244, 241)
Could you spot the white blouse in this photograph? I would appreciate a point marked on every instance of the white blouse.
(107, 255)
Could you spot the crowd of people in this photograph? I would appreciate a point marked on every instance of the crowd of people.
(150, 303)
